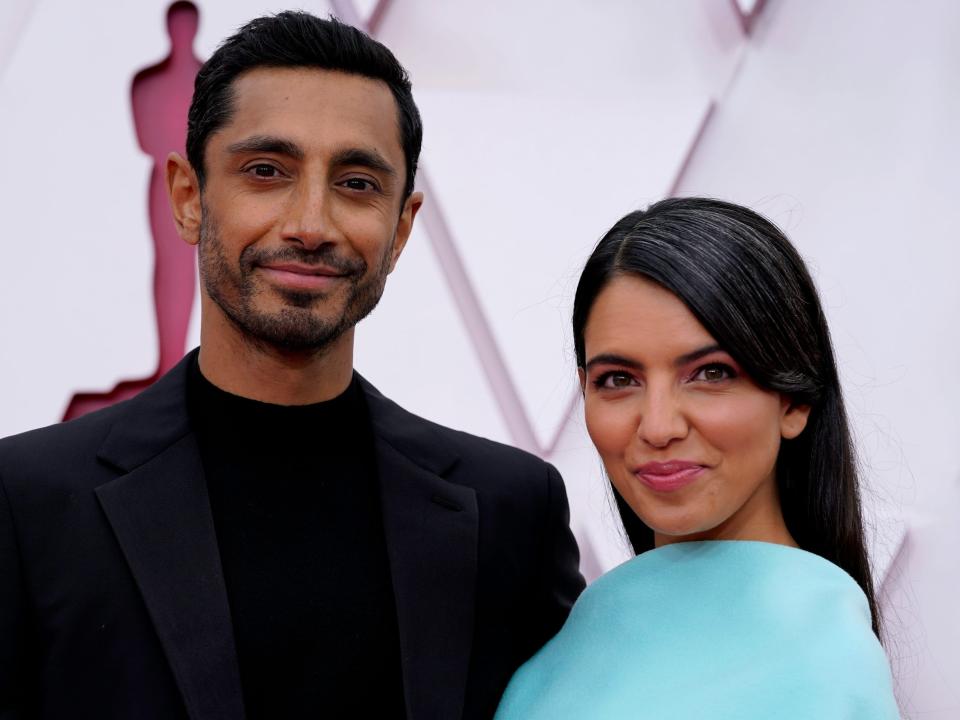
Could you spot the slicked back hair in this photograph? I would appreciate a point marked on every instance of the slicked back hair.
(748, 286)
(297, 40)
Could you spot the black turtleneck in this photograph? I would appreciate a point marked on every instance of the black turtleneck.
(296, 507)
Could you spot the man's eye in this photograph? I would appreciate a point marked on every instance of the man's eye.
(359, 184)
(715, 372)
(264, 171)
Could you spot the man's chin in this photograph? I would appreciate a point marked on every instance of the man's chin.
(293, 330)
(287, 324)
(269, 297)
(296, 320)
(300, 299)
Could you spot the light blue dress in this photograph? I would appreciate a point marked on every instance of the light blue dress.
(722, 630)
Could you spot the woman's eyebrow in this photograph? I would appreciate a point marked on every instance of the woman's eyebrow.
(697, 354)
(613, 359)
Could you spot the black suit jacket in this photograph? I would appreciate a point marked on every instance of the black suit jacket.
(112, 599)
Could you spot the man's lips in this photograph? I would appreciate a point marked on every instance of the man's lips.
(301, 276)
(668, 476)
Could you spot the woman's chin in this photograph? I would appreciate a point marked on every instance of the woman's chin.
(667, 531)
(676, 527)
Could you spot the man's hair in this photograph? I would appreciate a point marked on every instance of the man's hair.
(294, 40)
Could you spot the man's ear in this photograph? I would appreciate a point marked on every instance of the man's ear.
(184, 191)
(405, 225)
(793, 418)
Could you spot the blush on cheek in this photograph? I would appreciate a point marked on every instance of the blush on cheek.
(597, 427)
(740, 422)
(615, 422)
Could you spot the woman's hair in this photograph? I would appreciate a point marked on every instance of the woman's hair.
(747, 285)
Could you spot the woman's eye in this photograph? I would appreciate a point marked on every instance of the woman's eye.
(614, 380)
(714, 373)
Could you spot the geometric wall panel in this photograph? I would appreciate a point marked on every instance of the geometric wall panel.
(544, 122)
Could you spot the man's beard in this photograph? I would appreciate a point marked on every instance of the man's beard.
(294, 327)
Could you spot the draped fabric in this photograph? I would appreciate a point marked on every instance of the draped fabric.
(720, 630)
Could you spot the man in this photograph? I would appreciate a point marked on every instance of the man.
(261, 533)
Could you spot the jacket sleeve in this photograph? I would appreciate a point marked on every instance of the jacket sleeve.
(15, 661)
(561, 581)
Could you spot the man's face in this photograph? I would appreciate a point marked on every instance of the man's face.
(302, 210)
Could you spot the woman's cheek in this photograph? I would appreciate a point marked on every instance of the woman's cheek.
(610, 426)
(734, 422)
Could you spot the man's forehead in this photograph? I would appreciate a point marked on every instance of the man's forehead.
(311, 90)
(307, 76)
(315, 105)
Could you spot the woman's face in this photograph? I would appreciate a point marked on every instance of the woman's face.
(687, 438)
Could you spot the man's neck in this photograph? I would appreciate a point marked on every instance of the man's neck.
(261, 372)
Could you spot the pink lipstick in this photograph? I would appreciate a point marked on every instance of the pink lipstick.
(668, 476)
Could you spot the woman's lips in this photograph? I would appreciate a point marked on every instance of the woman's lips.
(668, 476)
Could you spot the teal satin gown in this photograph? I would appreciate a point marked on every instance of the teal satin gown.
(720, 630)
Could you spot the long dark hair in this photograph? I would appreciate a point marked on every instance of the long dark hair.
(747, 285)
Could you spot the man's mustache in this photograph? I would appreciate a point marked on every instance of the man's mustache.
(324, 255)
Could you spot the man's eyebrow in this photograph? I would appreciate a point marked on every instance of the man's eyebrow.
(266, 144)
(362, 157)
(623, 361)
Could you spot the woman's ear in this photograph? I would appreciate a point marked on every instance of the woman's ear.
(583, 379)
(793, 418)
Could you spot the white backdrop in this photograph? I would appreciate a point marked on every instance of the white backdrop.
(544, 123)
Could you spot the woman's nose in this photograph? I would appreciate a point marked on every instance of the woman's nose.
(662, 419)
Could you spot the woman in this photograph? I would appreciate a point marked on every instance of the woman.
(711, 393)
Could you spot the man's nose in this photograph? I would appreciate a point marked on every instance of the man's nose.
(310, 219)
(662, 418)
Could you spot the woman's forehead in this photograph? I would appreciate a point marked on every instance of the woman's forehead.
(633, 312)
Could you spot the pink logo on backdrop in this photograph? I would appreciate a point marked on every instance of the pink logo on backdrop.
(160, 98)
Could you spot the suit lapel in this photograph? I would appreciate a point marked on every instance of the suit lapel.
(431, 528)
(160, 513)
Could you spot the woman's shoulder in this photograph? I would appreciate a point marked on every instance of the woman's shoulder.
(759, 576)
(754, 594)
(754, 625)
